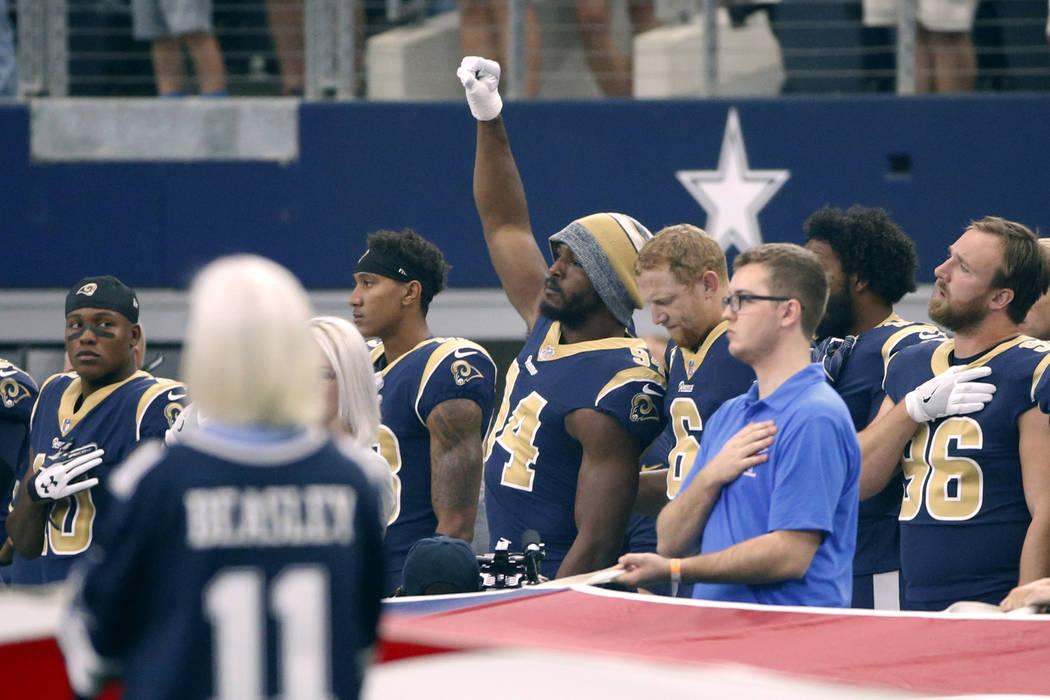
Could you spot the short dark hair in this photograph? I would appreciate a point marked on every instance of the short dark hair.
(793, 272)
(425, 258)
(1025, 268)
(869, 245)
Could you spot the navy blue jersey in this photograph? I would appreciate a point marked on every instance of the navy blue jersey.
(231, 568)
(860, 386)
(698, 382)
(435, 370)
(18, 393)
(114, 418)
(531, 461)
(963, 516)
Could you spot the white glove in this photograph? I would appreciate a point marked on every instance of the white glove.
(59, 480)
(480, 78)
(951, 393)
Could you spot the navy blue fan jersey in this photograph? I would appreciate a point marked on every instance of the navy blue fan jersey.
(435, 370)
(531, 461)
(231, 565)
(963, 516)
(18, 393)
(698, 382)
(860, 386)
(114, 418)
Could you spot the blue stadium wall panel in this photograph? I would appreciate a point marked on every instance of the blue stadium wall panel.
(934, 162)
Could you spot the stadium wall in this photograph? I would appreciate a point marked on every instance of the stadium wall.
(934, 162)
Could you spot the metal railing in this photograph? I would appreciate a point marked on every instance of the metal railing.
(318, 47)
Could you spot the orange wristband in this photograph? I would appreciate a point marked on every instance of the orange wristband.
(676, 571)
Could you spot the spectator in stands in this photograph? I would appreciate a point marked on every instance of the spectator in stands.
(945, 60)
(286, 29)
(8, 67)
(169, 29)
(351, 399)
(1037, 322)
(611, 66)
(483, 32)
(771, 500)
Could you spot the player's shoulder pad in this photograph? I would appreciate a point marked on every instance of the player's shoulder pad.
(168, 393)
(649, 381)
(1041, 347)
(469, 361)
(15, 385)
(909, 334)
(126, 477)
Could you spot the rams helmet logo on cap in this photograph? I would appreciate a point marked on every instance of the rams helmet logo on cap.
(88, 289)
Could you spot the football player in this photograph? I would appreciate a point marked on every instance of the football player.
(870, 265)
(975, 516)
(1037, 322)
(583, 397)
(243, 561)
(86, 421)
(436, 394)
(18, 392)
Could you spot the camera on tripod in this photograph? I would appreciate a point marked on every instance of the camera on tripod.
(505, 569)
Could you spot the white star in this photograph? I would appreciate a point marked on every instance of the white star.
(733, 195)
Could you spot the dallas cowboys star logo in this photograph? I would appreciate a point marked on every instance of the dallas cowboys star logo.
(733, 195)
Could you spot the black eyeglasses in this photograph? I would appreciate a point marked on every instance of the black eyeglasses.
(734, 301)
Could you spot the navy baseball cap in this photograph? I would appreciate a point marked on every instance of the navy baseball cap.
(440, 559)
(105, 292)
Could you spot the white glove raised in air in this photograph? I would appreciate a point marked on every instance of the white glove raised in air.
(948, 394)
(480, 78)
(59, 480)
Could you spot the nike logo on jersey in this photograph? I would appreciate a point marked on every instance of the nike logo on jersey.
(175, 395)
(460, 353)
(649, 390)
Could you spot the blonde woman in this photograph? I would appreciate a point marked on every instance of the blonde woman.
(351, 399)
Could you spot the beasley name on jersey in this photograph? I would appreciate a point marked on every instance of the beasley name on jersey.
(698, 382)
(531, 462)
(204, 589)
(115, 418)
(435, 370)
(963, 473)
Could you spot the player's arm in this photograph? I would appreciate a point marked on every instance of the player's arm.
(682, 521)
(781, 555)
(652, 492)
(500, 195)
(27, 520)
(605, 490)
(881, 446)
(455, 465)
(1033, 447)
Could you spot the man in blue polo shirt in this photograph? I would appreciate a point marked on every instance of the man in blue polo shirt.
(771, 501)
